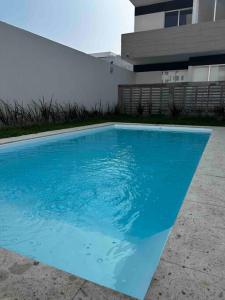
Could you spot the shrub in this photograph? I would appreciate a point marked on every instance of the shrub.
(150, 109)
(140, 109)
(175, 110)
(42, 111)
(220, 112)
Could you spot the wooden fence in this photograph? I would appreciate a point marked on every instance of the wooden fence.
(187, 98)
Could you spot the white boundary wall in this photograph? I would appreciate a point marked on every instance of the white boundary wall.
(32, 67)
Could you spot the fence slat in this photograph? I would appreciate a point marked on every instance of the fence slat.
(191, 98)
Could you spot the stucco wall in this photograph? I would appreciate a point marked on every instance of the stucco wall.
(32, 67)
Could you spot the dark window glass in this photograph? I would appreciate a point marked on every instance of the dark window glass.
(171, 19)
(185, 17)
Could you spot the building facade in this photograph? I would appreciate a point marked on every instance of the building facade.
(177, 41)
(113, 59)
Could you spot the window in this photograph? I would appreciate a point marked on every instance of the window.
(219, 13)
(217, 73)
(178, 17)
(221, 76)
(185, 17)
(209, 73)
(171, 19)
(200, 74)
(174, 76)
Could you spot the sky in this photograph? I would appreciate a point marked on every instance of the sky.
(86, 25)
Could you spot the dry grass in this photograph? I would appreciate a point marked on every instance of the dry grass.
(48, 112)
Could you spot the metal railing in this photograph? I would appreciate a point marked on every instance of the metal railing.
(193, 98)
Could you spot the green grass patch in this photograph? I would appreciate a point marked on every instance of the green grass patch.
(6, 132)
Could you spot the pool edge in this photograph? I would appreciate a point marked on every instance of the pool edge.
(184, 128)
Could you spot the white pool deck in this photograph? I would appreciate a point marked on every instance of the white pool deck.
(192, 265)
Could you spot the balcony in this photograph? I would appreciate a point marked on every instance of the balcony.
(175, 43)
(145, 2)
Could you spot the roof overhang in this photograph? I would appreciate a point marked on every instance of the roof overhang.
(137, 3)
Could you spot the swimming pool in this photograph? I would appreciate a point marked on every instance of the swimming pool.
(98, 203)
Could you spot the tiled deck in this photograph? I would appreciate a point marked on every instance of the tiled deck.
(193, 263)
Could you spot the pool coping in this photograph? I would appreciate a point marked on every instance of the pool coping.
(192, 265)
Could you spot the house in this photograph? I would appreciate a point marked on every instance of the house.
(114, 59)
(177, 41)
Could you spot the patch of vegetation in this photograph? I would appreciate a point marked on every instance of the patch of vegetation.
(220, 112)
(140, 109)
(12, 131)
(16, 119)
(44, 112)
(175, 110)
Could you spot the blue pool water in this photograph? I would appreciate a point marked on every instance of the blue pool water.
(98, 204)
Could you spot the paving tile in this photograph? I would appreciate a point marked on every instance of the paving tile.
(213, 160)
(204, 212)
(205, 237)
(9, 258)
(24, 279)
(173, 282)
(198, 239)
(91, 291)
(214, 167)
(194, 243)
(208, 189)
(190, 252)
(217, 137)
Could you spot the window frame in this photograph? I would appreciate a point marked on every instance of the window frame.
(178, 16)
(209, 71)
